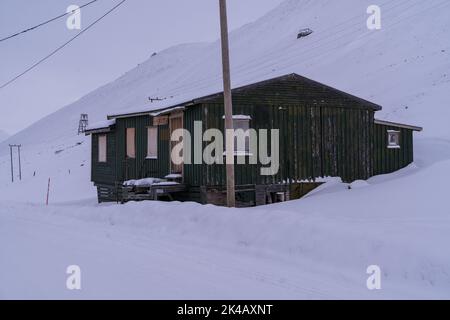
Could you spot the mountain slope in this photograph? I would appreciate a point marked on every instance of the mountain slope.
(403, 66)
(3, 135)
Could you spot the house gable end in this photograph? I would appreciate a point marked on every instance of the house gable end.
(292, 89)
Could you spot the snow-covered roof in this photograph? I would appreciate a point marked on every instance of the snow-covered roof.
(100, 126)
(148, 182)
(161, 112)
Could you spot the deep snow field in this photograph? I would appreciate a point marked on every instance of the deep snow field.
(316, 247)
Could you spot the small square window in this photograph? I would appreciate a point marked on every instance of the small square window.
(393, 139)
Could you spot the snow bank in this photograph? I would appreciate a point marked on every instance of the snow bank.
(399, 222)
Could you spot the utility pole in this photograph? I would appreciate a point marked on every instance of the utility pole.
(231, 197)
(12, 168)
(48, 192)
(18, 146)
(20, 164)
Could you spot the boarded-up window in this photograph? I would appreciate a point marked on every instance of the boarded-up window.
(131, 144)
(152, 142)
(102, 148)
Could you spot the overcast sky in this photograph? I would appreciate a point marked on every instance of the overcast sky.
(118, 43)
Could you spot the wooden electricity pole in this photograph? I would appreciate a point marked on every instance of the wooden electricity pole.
(231, 200)
(18, 146)
(20, 164)
(12, 166)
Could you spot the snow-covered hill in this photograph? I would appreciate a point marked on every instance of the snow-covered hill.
(3, 135)
(404, 67)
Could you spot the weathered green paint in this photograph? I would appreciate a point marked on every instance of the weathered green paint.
(389, 160)
(141, 167)
(104, 172)
(323, 132)
(314, 142)
(291, 90)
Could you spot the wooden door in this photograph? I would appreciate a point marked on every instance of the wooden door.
(176, 122)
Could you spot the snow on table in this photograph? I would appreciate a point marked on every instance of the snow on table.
(173, 176)
(148, 182)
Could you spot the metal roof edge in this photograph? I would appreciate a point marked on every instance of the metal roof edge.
(396, 124)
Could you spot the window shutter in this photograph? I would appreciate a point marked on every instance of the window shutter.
(131, 145)
(152, 142)
(102, 148)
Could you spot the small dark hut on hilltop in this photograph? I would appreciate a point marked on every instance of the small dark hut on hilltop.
(324, 132)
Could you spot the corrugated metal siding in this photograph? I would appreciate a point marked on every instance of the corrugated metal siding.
(389, 160)
(193, 173)
(322, 133)
(314, 142)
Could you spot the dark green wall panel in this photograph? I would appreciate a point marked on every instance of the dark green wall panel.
(389, 160)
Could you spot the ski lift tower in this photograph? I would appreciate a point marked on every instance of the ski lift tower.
(83, 123)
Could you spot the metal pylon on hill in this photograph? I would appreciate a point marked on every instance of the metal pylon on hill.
(83, 123)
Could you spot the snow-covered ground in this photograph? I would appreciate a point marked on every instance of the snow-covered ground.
(316, 247)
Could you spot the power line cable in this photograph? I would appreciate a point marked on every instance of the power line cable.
(62, 46)
(45, 22)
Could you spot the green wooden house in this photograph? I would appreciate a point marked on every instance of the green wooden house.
(323, 132)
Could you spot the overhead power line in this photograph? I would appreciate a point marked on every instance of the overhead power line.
(45, 22)
(62, 46)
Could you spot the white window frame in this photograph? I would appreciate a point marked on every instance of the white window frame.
(102, 148)
(396, 144)
(154, 140)
(236, 119)
(246, 150)
(131, 153)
